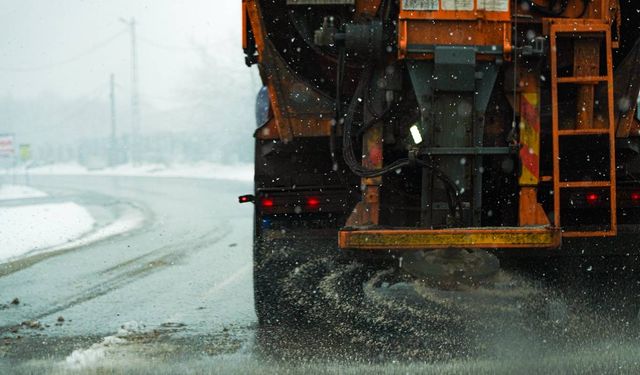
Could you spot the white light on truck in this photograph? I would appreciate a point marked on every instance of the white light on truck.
(415, 134)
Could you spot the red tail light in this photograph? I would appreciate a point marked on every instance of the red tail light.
(267, 202)
(592, 198)
(313, 202)
(246, 198)
(635, 197)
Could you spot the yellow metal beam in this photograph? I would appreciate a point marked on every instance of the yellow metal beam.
(420, 239)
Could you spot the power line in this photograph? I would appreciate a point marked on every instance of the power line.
(87, 96)
(169, 48)
(87, 52)
(143, 94)
(79, 107)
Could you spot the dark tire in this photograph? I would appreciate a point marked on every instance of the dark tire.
(287, 168)
(274, 264)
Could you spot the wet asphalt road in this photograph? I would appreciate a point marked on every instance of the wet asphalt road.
(187, 268)
(175, 296)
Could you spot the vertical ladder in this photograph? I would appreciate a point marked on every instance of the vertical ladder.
(579, 30)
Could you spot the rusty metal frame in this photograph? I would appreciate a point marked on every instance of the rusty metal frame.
(576, 27)
(287, 125)
(251, 9)
(439, 23)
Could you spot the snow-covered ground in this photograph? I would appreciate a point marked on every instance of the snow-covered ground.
(54, 226)
(237, 172)
(28, 228)
(129, 220)
(8, 192)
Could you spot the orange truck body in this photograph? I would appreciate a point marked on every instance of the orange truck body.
(548, 79)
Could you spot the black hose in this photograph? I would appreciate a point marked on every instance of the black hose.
(338, 113)
(452, 190)
(347, 144)
(454, 201)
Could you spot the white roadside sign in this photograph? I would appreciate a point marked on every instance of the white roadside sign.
(7, 147)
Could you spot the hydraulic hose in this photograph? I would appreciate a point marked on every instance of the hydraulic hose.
(454, 202)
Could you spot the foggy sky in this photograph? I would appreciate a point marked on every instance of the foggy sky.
(56, 57)
(35, 34)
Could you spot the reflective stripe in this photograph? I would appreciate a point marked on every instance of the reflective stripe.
(529, 139)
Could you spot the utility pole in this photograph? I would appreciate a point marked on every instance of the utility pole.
(135, 101)
(113, 147)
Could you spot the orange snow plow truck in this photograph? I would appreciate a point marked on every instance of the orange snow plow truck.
(389, 127)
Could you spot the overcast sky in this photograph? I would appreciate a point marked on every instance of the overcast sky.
(69, 47)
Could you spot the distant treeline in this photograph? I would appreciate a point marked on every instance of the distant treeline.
(163, 148)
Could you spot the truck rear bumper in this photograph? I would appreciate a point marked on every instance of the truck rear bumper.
(475, 238)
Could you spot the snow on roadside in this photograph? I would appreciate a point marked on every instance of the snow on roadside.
(130, 220)
(27, 228)
(83, 358)
(8, 192)
(100, 352)
(204, 170)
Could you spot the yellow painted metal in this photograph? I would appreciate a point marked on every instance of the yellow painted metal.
(530, 139)
(420, 239)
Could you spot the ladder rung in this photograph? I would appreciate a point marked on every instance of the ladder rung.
(583, 131)
(575, 29)
(584, 184)
(546, 178)
(590, 233)
(586, 80)
(579, 28)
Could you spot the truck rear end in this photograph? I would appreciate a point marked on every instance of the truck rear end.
(389, 128)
